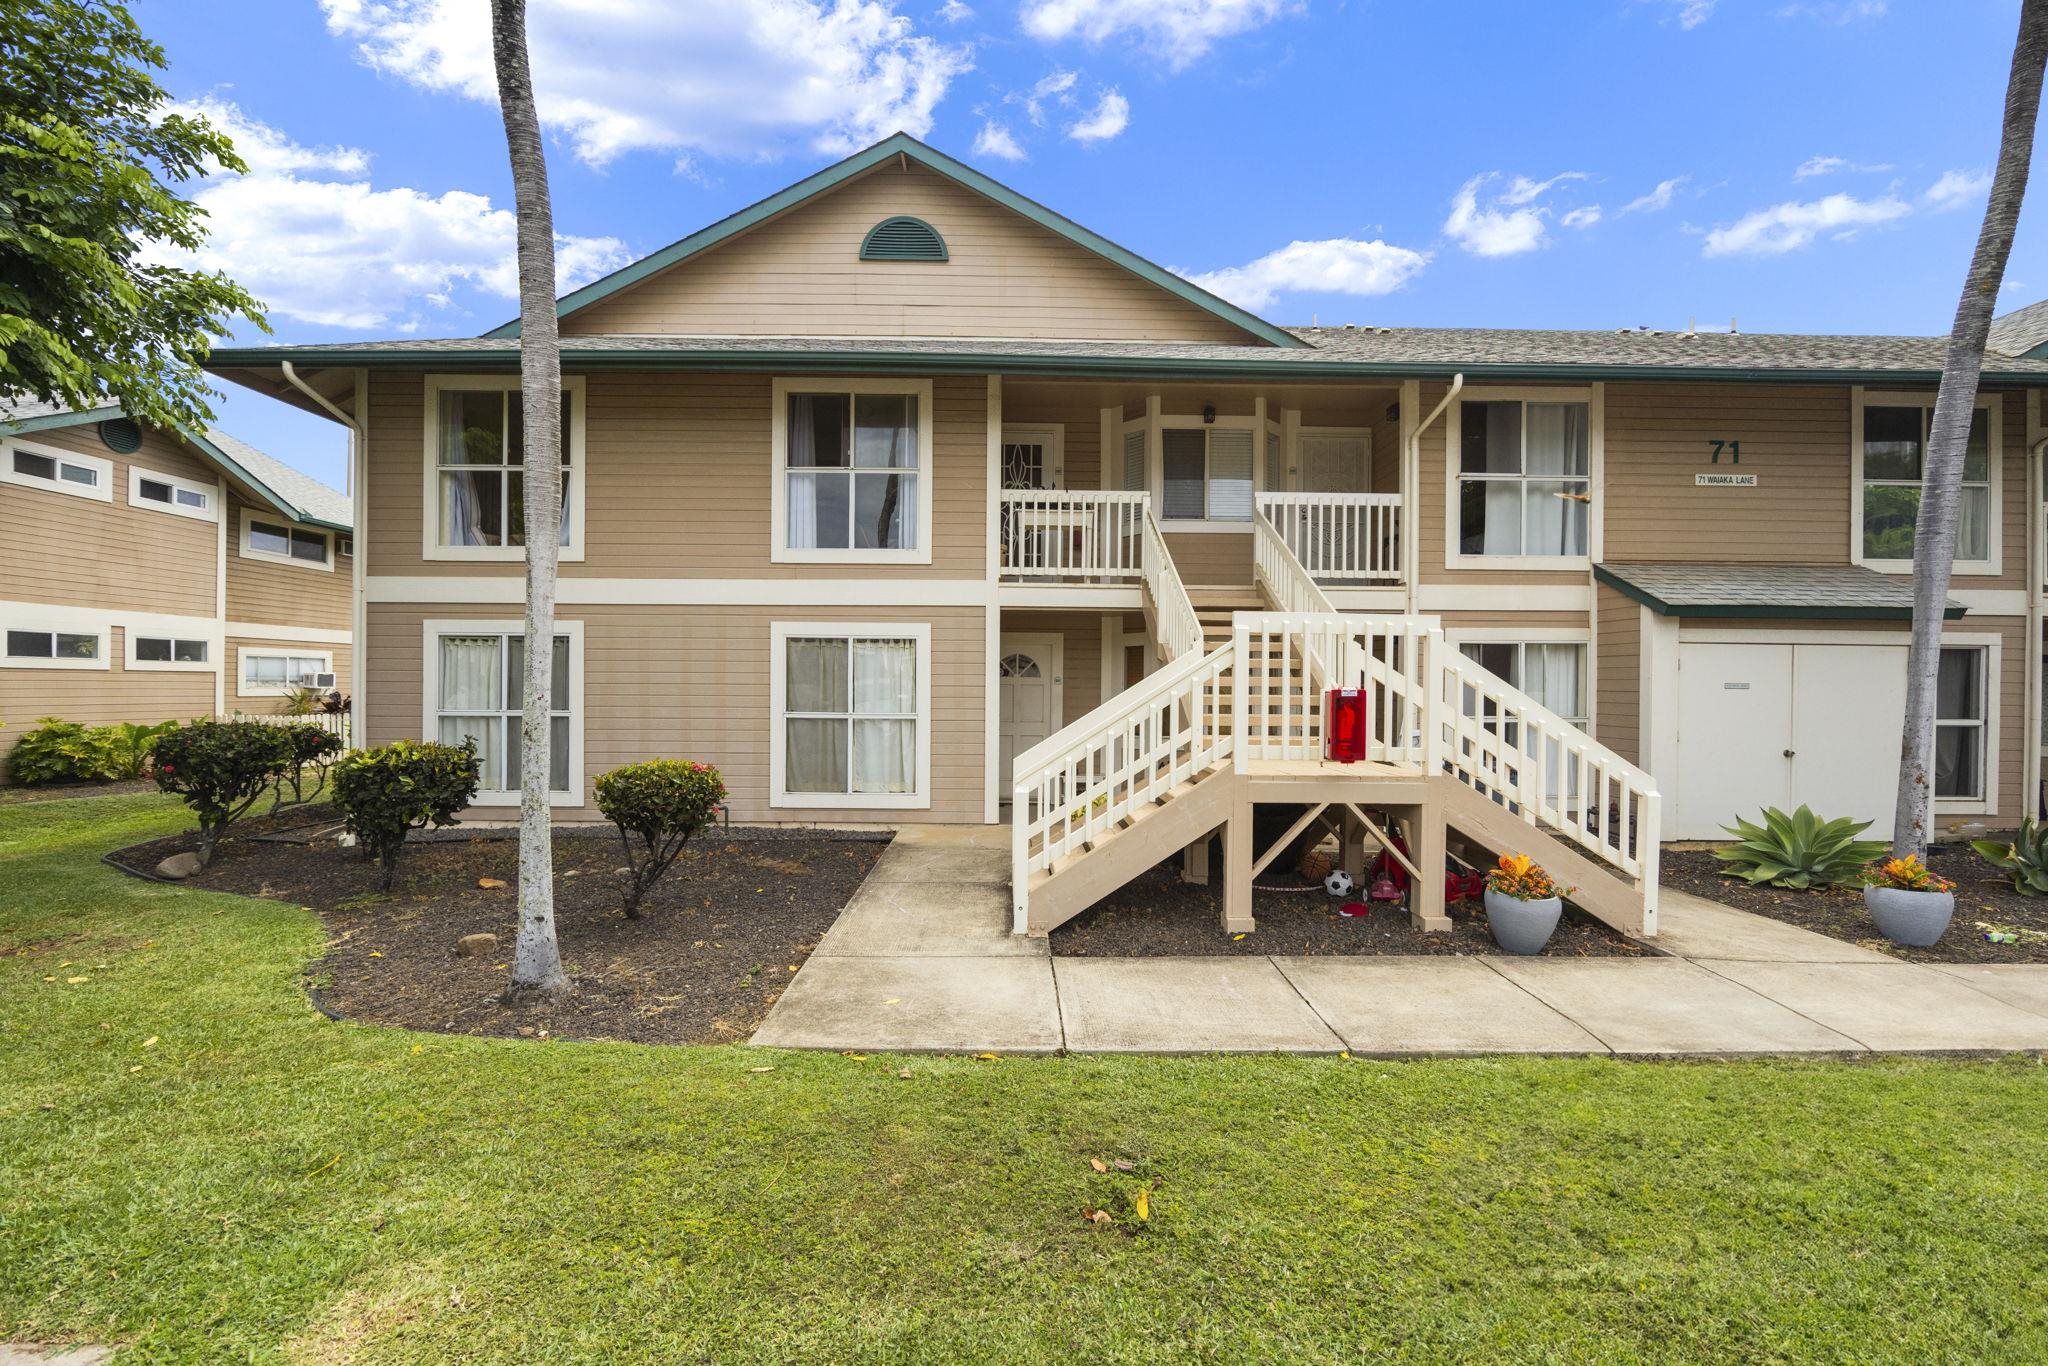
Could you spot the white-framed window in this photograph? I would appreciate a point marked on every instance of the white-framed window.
(1522, 478)
(162, 492)
(282, 542)
(852, 471)
(1206, 472)
(162, 651)
(1553, 672)
(1889, 433)
(851, 709)
(56, 471)
(272, 672)
(475, 476)
(1961, 724)
(475, 689)
(53, 643)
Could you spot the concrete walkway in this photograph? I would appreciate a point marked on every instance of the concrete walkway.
(922, 960)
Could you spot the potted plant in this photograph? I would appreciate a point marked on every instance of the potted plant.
(1522, 904)
(1910, 904)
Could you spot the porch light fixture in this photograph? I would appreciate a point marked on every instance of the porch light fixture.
(1209, 413)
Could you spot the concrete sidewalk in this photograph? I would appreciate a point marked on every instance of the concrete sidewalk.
(922, 960)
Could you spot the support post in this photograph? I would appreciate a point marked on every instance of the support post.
(1237, 866)
(1426, 905)
(1194, 862)
(1351, 850)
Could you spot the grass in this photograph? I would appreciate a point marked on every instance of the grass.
(262, 1182)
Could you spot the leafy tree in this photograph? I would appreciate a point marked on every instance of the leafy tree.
(1934, 535)
(664, 802)
(89, 162)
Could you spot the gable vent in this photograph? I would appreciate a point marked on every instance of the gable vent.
(903, 239)
(121, 436)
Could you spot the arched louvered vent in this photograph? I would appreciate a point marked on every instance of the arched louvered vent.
(121, 436)
(903, 239)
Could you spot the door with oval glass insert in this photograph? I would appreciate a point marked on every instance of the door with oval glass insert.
(1028, 685)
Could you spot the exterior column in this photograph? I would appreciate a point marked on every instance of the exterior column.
(1237, 868)
(1426, 904)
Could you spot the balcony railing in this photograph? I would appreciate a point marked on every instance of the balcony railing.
(1071, 536)
(1340, 537)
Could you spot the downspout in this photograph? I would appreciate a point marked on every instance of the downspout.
(2037, 571)
(358, 632)
(1411, 475)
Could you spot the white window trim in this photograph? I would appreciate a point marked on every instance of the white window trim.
(249, 552)
(58, 621)
(1594, 397)
(1993, 405)
(430, 695)
(779, 549)
(1053, 435)
(211, 492)
(244, 688)
(779, 634)
(102, 492)
(1539, 635)
(130, 635)
(573, 413)
(1991, 679)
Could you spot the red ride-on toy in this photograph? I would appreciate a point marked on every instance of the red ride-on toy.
(1461, 880)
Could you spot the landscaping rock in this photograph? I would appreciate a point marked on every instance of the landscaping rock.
(178, 867)
(476, 945)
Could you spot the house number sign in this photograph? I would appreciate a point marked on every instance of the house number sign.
(1724, 481)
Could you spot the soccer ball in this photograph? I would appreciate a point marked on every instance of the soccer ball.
(1338, 883)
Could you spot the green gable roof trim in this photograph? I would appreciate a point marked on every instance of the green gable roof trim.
(903, 238)
(904, 145)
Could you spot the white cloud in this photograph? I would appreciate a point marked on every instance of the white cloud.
(737, 78)
(954, 12)
(1658, 198)
(1339, 265)
(1792, 225)
(994, 140)
(1690, 14)
(1508, 225)
(1111, 115)
(1522, 190)
(1056, 87)
(1835, 11)
(342, 253)
(1957, 189)
(1181, 30)
(1584, 217)
(1824, 165)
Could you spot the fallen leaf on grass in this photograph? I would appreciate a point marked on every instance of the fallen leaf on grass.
(1098, 1164)
(74, 981)
(136, 1068)
(985, 1057)
(1143, 1205)
(1096, 1216)
(903, 1075)
(149, 1042)
(1124, 1164)
(761, 1069)
(857, 1057)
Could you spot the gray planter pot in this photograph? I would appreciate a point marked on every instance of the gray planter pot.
(1914, 919)
(1521, 926)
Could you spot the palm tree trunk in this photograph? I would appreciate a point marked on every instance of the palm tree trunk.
(1934, 532)
(536, 958)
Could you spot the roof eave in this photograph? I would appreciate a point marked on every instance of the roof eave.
(1758, 611)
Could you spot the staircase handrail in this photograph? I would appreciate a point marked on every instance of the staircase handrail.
(1180, 630)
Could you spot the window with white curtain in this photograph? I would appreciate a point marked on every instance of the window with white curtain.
(280, 671)
(852, 471)
(1893, 455)
(1207, 474)
(481, 677)
(479, 453)
(1553, 674)
(1524, 478)
(1959, 712)
(851, 719)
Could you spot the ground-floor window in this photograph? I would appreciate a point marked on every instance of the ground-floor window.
(476, 689)
(1551, 672)
(278, 671)
(168, 652)
(851, 707)
(1959, 712)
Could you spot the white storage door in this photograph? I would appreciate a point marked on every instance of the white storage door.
(1734, 726)
(1848, 702)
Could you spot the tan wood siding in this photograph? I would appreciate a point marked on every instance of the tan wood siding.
(282, 594)
(1617, 673)
(99, 697)
(1212, 559)
(800, 275)
(693, 683)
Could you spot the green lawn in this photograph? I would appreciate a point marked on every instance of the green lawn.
(263, 1182)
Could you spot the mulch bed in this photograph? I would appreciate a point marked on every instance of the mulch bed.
(59, 792)
(717, 939)
(1981, 897)
(1159, 916)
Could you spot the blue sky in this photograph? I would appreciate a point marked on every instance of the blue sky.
(1801, 165)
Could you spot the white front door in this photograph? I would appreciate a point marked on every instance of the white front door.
(1332, 461)
(1029, 687)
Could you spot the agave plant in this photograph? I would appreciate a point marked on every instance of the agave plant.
(2025, 859)
(1800, 851)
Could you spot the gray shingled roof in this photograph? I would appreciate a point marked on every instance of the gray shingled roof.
(1628, 346)
(2021, 330)
(1766, 590)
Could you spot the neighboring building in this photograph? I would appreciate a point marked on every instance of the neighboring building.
(874, 486)
(150, 575)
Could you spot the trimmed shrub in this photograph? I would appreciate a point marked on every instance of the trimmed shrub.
(58, 751)
(388, 792)
(220, 768)
(663, 802)
(306, 747)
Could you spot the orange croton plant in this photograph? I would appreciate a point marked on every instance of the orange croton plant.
(1908, 874)
(1521, 877)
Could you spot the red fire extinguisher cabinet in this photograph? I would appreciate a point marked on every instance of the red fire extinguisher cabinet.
(1345, 715)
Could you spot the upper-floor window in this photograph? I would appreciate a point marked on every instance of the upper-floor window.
(266, 538)
(1206, 474)
(1891, 461)
(1524, 478)
(58, 471)
(168, 493)
(476, 457)
(853, 470)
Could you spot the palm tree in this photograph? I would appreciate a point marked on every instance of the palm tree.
(537, 958)
(1934, 532)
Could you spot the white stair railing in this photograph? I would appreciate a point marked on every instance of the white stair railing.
(1180, 630)
(1280, 571)
(1072, 535)
(1350, 537)
(1279, 712)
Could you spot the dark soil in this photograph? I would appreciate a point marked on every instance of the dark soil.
(1983, 899)
(1159, 916)
(58, 792)
(717, 939)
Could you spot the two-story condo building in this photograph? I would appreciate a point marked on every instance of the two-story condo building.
(902, 498)
(150, 575)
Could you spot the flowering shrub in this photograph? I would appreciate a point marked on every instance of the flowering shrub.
(1907, 874)
(664, 802)
(1521, 877)
(388, 792)
(220, 768)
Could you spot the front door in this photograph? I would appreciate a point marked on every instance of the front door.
(1028, 681)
